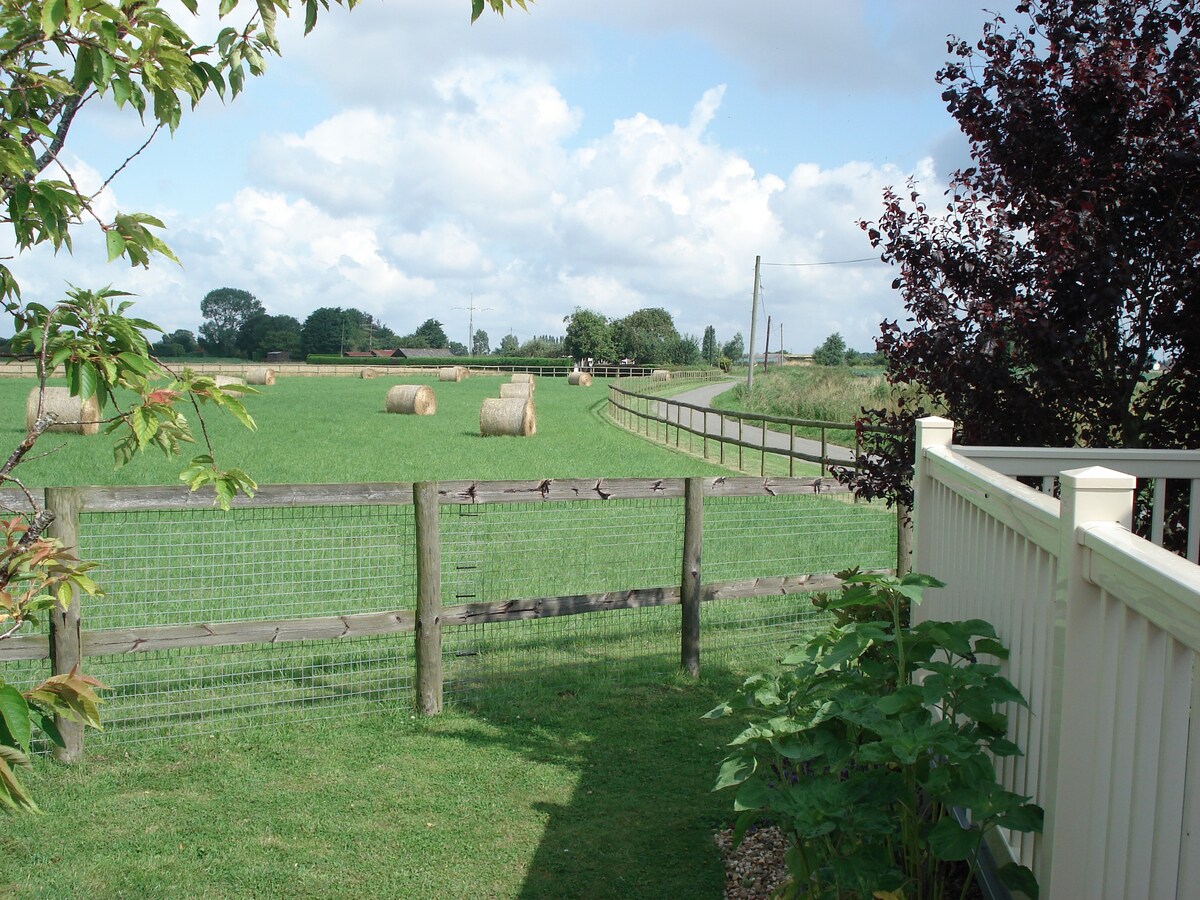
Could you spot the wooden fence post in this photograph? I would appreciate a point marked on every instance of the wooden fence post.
(66, 641)
(689, 588)
(429, 599)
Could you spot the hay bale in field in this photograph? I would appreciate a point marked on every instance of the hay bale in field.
(229, 381)
(660, 375)
(508, 391)
(522, 378)
(260, 375)
(77, 416)
(412, 400)
(452, 373)
(511, 416)
(582, 379)
(368, 372)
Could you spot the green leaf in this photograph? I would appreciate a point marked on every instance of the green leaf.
(14, 710)
(115, 243)
(50, 728)
(1020, 878)
(1028, 817)
(734, 770)
(948, 840)
(53, 14)
(753, 794)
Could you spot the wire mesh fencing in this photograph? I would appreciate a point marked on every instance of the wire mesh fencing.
(499, 552)
(217, 621)
(204, 566)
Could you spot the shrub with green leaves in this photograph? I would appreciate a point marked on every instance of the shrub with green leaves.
(874, 746)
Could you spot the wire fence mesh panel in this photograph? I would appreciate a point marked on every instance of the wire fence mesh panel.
(498, 552)
(793, 535)
(168, 693)
(190, 566)
(201, 567)
(611, 646)
(504, 551)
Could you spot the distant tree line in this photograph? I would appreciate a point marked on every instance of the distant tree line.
(834, 352)
(237, 325)
(647, 337)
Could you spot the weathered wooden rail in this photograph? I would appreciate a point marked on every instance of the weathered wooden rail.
(641, 411)
(69, 641)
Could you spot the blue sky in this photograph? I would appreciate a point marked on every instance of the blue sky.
(607, 155)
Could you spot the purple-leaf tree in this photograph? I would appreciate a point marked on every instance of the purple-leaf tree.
(1055, 299)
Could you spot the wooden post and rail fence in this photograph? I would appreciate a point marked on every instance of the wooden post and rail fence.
(69, 642)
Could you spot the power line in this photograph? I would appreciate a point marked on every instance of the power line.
(835, 262)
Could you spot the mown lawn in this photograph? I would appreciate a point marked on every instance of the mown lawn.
(563, 773)
(335, 430)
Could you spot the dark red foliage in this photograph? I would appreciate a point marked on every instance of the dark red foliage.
(1066, 261)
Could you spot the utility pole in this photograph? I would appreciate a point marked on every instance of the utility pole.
(471, 323)
(781, 343)
(766, 347)
(753, 322)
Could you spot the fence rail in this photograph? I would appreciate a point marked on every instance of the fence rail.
(657, 416)
(13, 368)
(1103, 629)
(1156, 470)
(196, 596)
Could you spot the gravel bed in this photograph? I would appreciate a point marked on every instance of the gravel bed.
(757, 866)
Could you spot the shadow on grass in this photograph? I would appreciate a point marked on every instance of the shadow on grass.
(641, 818)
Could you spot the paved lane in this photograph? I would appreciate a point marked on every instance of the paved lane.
(751, 434)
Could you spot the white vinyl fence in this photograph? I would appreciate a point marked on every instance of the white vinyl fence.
(1104, 633)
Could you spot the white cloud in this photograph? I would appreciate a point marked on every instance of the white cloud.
(457, 170)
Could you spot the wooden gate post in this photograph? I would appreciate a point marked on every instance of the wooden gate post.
(66, 640)
(689, 588)
(428, 638)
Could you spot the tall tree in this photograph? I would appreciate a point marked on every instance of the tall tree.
(324, 331)
(708, 347)
(1066, 263)
(262, 333)
(479, 343)
(735, 348)
(589, 335)
(509, 345)
(226, 311)
(832, 351)
(433, 333)
(645, 335)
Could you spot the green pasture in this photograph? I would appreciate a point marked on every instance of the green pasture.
(572, 760)
(335, 430)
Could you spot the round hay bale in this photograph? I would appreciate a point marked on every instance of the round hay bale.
(522, 378)
(451, 373)
(412, 400)
(466, 373)
(227, 380)
(367, 372)
(516, 390)
(260, 375)
(660, 375)
(511, 416)
(582, 379)
(77, 416)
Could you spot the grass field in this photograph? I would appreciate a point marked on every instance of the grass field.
(824, 393)
(572, 761)
(335, 430)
